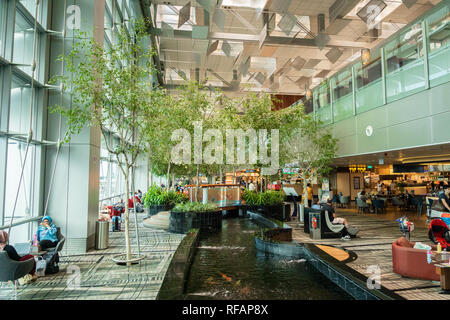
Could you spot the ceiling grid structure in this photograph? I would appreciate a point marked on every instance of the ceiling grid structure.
(271, 45)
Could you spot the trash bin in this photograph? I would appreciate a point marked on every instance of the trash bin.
(314, 225)
(101, 235)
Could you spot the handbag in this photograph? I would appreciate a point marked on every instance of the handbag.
(41, 266)
(352, 231)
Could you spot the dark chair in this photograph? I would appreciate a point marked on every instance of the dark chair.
(327, 228)
(61, 241)
(397, 202)
(378, 204)
(362, 206)
(11, 270)
(344, 200)
(418, 203)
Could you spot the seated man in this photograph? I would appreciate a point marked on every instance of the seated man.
(337, 220)
(445, 198)
(316, 205)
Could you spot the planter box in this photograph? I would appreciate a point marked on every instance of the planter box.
(182, 222)
(155, 209)
(273, 212)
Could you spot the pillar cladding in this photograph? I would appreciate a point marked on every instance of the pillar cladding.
(73, 202)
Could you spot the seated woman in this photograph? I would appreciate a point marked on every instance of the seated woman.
(46, 234)
(13, 255)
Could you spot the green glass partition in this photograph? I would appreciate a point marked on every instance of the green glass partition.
(342, 87)
(439, 46)
(322, 101)
(369, 83)
(405, 67)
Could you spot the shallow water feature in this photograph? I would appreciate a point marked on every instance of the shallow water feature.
(227, 266)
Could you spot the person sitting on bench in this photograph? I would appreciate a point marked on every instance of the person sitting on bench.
(337, 220)
(445, 198)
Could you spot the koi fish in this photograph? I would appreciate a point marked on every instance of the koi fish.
(225, 276)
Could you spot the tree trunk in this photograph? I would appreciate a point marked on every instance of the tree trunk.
(198, 183)
(305, 191)
(220, 173)
(262, 179)
(168, 176)
(149, 172)
(127, 220)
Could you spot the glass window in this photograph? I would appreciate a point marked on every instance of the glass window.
(19, 115)
(404, 64)
(322, 97)
(322, 102)
(369, 83)
(342, 85)
(15, 158)
(308, 104)
(439, 48)
(2, 26)
(30, 5)
(23, 44)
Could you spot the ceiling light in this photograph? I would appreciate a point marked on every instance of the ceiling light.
(365, 56)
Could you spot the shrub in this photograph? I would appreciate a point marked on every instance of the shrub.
(267, 198)
(158, 196)
(195, 207)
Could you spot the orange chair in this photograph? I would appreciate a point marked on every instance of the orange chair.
(410, 262)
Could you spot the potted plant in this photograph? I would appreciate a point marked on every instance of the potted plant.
(197, 215)
(157, 199)
(269, 203)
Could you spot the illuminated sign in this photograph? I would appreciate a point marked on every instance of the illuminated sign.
(357, 168)
(290, 170)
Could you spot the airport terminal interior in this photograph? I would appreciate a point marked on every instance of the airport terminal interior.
(119, 176)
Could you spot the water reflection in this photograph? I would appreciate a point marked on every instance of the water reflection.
(227, 266)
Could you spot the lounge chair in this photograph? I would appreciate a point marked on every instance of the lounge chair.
(11, 270)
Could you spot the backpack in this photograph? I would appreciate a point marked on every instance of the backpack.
(52, 259)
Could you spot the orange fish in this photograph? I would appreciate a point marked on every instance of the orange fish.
(225, 276)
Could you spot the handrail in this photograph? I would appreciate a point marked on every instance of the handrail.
(18, 223)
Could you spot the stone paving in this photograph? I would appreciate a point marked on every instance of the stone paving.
(373, 247)
(101, 278)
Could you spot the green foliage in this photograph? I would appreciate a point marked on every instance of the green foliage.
(158, 196)
(195, 207)
(266, 198)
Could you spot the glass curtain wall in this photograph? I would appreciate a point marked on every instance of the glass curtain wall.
(369, 83)
(439, 46)
(24, 106)
(416, 59)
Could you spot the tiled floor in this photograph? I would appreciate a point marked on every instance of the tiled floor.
(373, 247)
(101, 278)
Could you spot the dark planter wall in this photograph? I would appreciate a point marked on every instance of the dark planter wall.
(273, 212)
(155, 209)
(182, 222)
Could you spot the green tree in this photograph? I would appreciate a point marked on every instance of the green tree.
(111, 90)
(312, 147)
